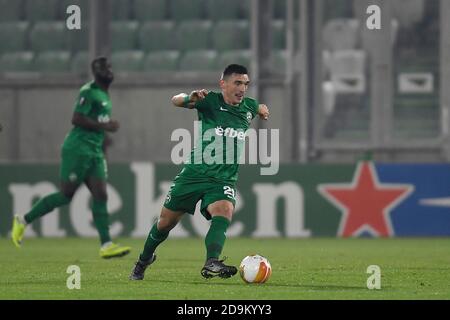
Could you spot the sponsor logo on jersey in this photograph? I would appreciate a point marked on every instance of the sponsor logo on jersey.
(103, 118)
(230, 132)
(249, 117)
(223, 109)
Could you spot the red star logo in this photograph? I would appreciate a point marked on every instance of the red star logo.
(365, 203)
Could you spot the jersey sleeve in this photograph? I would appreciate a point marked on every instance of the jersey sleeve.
(203, 104)
(254, 107)
(84, 103)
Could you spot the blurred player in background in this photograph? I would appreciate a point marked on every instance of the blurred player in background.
(229, 115)
(83, 160)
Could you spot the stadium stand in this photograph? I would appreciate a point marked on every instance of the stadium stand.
(121, 10)
(231, 35)
(199, 60)
(124, 35)
(79, 39)
(408, 12)
(38, 26)
(41, 10)
(187, 10)
(13, 36)
(10, 10)
(128, 61)
(16, 61)
(347, 71)
(144, 10)
(52, 61)
(234, 56)
(80, 63)
(157, 35)
(341, 34)
(49, 35)
(228, 10)
(162, 61)
(338, 9)
(278, 34)
(193, 34)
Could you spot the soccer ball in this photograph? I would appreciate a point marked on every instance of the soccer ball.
(255, 269)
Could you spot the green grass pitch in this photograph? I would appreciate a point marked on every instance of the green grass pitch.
(302, 269)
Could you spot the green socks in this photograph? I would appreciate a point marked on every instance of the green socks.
(101, 220)
(215, 238)
(155, 237)
(55, 200)
(45, 205)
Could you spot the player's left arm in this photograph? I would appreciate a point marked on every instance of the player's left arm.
(184, 100)
(263, 111)
(107, 142)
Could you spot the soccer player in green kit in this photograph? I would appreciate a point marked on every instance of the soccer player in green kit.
(227, 114)
(83, 160)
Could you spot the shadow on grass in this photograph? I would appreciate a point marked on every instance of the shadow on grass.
(215, 282)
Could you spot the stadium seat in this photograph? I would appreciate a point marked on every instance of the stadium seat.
(231, 35)
(162, 61)
(42, 10)
(199, 60)
(348, 62)
(187, 9)
(228, 9)
(16, 61)
(279, 9)
(120, 10)
(194, 35)
(242, 57)
(338, 9)
(80, 63)
(341, 34)
(13, 36)
(47, 36)
(127, 61)
(10, 10)
(79, 39)
(408, 12)
(278, 61)
(328, 98)
(157, 35)
(347, 70)
(52, 61)
(144, 10)
(124, 35)
(278, 34)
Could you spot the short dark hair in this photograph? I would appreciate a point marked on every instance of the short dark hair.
(234, 68)
(96, 61)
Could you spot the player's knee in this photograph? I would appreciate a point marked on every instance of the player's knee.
(166, 224)
(224, 210)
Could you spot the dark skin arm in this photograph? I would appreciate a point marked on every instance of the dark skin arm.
(107, 142)
(82, 121)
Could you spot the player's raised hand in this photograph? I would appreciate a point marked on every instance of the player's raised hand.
(198, 95)
(263, 111)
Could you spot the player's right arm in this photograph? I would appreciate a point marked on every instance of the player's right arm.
(80, 120)
(184, 100)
